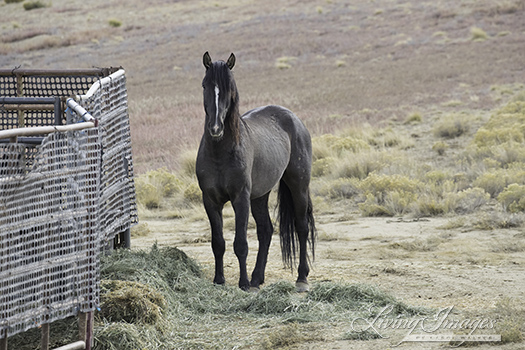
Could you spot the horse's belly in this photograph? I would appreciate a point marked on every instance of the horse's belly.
(269, 165)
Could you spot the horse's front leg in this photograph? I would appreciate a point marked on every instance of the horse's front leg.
(241, 206)
(264, 235)
(218, 245)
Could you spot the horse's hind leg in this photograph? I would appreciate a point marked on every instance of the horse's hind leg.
(301, 202)
(304, 224)
(264, 235)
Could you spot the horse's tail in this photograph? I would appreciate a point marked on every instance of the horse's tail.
(288, 234)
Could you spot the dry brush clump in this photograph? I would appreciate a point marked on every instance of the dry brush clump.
(383, 181)
(513, 198)
(498, 148)
(510, 317)
(356, 153)
(388, 195)
(161, 192)
(452, 126)
(499, 220)
(373, 168)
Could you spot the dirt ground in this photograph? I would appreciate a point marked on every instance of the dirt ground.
(464, 268)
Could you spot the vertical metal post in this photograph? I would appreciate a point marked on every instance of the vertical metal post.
(20, 93)
(3, 341)
(82, 324)
(58, 111)
(19, 84)
(89, 330)
(44, 340)
(125, 236)
(85, 328)
(125, 239)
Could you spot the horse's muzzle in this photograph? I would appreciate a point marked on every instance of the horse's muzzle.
(216, 131)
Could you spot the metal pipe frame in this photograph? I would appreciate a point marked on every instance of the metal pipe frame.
(58, 73)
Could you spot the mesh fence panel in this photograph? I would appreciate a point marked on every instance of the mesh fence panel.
(8, 86)
(13, 118)
(60, 203)
(47, 86)
(49, 244)
(117, 205)
(8, 119)
(27, 83)
(41, 85)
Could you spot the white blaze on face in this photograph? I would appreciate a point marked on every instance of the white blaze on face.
(216, 105)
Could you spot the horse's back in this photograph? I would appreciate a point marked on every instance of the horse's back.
(273, 114)
(281, 142)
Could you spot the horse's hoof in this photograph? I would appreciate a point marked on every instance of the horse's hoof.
(302, 287)
(253, 290)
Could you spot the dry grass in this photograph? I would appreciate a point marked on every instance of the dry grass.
(511, 320)
(418, 245)
(374, 168)
(362, 170)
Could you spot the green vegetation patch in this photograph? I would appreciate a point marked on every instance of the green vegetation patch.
(496, 180)
(388, 195)
(513, 198)
(507, 124)
(31, 5)
(478, 34)
(452, 126)
(332, 145)
(499, 145)
(115, 23)
(161, 189)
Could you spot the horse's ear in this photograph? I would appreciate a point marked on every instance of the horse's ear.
(231, 61)
(206, 60)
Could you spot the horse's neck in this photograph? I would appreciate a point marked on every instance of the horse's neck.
(234, 124)
(232, 127)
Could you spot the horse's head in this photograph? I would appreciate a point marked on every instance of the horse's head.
(220, 93)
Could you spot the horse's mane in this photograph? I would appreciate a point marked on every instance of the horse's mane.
(222, 76)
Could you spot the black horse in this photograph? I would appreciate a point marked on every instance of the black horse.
(241, 159)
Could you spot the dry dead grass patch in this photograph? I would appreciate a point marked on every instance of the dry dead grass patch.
(372, 168)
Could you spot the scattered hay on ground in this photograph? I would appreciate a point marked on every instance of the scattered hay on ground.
(177, 301)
